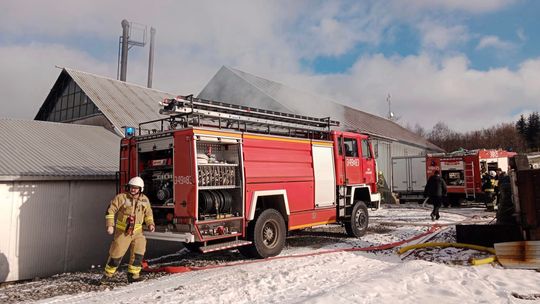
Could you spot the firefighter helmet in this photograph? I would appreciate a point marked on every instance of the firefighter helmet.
(137, 182)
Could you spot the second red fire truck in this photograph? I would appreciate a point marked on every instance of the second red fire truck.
(221, 175)
(463, 170)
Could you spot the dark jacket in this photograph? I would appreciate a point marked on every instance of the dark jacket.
(435, 186)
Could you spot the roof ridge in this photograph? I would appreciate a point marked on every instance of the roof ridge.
(304, 92)
(69, 70)
(15, 119)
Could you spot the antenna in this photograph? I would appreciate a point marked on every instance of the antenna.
(390, 114)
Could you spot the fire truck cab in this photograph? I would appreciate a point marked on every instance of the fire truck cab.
(221, 176)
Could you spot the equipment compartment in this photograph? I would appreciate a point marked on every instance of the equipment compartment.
(219, 180)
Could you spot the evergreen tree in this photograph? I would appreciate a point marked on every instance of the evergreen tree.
(532, 132)
(521, 125)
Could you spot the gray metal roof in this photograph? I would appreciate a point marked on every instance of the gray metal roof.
(36, 149)
(124, 104)
(235, 86)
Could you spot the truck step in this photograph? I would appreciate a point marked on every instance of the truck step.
(226, 245)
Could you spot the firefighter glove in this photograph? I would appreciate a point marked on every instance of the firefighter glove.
(110, 229)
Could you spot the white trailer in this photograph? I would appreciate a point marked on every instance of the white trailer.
(409, 177)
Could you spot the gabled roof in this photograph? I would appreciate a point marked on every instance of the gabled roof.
(235, 86)
(122, 103)
(43, 150)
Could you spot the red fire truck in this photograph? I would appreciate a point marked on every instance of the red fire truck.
(462, 171)
(220, 175)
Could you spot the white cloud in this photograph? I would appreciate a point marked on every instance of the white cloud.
(28, 73)
(425, 92)
(442, 37)
(494, 42)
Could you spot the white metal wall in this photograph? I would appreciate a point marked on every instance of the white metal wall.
(383, 157)
(49, 227)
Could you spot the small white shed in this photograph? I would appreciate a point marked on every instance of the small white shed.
(56, 181)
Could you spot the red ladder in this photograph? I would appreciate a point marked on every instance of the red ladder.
(470, 190)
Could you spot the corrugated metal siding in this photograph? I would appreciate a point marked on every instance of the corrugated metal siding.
(401, 149)
(37, 148)
(124, 104)
(42, 227)
(89, 201)
(383, 158)
(54, 227)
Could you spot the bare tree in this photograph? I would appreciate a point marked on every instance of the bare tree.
(502, 136)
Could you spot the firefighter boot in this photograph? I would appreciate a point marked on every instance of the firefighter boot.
(110, 268)
(134, 278)
(134, 269)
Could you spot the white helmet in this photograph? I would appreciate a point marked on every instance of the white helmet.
(137, 182)
(492, 173)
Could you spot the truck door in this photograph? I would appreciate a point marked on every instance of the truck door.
(353, 165)
(368, 163)
(418, 173)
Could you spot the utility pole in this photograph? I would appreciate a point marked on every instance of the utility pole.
(151, 57)
(125, 48)
(128, 40)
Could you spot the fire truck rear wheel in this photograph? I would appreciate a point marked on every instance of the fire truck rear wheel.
(358, 224)
(267, 234)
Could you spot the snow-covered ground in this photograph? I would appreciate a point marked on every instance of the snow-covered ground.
(420, 276)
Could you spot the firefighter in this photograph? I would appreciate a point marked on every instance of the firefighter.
(131, 209)
(488, 187)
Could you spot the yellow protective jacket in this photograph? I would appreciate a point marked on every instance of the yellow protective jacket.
(122, 206)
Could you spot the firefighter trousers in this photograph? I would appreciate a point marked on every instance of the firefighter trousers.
(119, 246)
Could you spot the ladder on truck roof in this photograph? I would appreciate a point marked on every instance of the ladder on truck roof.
(196, 112)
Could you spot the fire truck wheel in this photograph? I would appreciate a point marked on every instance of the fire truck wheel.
(358, 224)
(267, 235)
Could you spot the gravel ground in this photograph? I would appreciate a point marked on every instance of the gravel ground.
(324, 237)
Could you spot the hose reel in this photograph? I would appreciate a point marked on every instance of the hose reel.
(214, 201)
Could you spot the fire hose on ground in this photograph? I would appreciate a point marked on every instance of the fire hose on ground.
(180, 269)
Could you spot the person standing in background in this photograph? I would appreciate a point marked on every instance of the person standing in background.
(436, 190)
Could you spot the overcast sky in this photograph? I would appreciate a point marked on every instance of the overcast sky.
(469, 63)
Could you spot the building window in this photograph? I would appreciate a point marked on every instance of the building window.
(71, 104)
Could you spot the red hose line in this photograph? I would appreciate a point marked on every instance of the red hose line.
(180, 269)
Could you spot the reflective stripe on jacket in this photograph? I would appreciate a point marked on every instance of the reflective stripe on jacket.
(123, 205)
